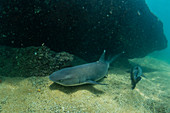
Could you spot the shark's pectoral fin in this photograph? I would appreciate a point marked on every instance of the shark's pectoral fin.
(94, 82)
(106, 75)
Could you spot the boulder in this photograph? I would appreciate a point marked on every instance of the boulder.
(34, 61)
(83, 28)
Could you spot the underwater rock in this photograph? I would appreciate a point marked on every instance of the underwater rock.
(33, 61)
(82, 28)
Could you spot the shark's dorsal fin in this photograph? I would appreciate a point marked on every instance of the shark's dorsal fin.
(102, 58)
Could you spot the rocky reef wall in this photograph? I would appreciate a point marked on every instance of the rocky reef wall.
(83, 28)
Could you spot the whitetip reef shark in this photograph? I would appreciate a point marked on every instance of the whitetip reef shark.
(83, 74)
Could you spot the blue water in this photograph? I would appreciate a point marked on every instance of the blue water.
(161, 8)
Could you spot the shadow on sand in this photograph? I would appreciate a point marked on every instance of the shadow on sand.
(72, 89)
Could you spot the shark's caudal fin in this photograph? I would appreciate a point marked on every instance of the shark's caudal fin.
(111, 59)
(102, 58)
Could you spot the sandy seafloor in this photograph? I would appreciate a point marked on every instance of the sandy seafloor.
(40, 95)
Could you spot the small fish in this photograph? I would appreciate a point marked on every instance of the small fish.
(136, 73)
(83, 74)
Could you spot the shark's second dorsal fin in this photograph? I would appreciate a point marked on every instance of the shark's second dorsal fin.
(102, 58)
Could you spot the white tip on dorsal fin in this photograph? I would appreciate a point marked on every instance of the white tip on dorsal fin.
(102, 58)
